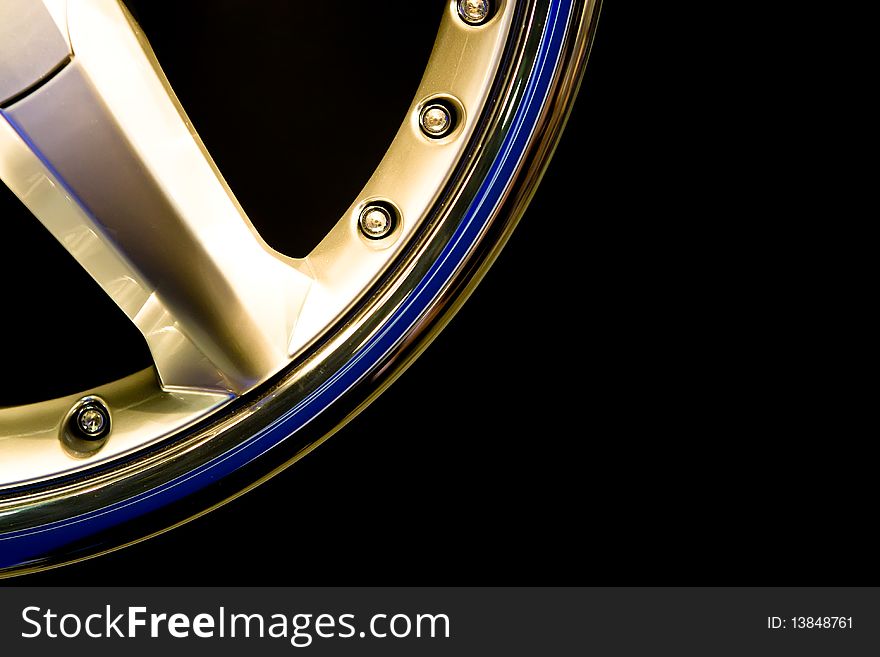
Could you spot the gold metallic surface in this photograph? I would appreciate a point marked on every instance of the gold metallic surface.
(182, 455)
(143, 413)
(463, 65)
(159, 230)
(33, 45)
(215, 304)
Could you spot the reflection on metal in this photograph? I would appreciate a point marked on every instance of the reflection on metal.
(217, 306)
(32, 44)
(104, 156)
(142, 414)
(376, 221)
(436, 120)
(463, 66)
(87, 426)
(275, 424)
(473, 12)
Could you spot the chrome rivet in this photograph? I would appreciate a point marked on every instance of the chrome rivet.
(86, 427)
(436, 120)
(376, 221)
(91, 420)
(473, 12)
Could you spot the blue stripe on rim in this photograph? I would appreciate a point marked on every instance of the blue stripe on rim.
(30, 545)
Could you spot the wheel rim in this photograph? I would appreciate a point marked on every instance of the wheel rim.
(273, 422)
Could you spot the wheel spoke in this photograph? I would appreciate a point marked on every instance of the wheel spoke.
(33, 44)
(103, 155)
(100, 151)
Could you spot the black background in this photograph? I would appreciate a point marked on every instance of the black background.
(633, 394)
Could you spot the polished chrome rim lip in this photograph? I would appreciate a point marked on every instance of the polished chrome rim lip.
(559, 32)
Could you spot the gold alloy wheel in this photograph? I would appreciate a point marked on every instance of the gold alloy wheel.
(258, 357)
